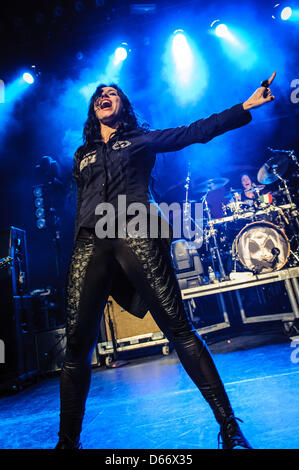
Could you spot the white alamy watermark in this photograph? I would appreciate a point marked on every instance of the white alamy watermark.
(295, 93)
(2, 97)
(2, 352)
(138, 220)
(295, 353)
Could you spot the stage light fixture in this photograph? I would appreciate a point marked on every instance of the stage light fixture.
(286, 13)
(182, 55)
(283, 11)
(221, 30)
(28, 78)
(37, 191)
(41, 223)
(120, 53)
(39, 202)
(39, 205)
(40, 212)
(179, 41)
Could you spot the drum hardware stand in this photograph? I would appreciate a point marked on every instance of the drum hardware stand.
(289, 198)
(256, 190)
(294, 216)
(215, 252)
(290, 153)
(186, 212)
(235, 259)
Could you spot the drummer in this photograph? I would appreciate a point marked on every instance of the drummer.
(250, 190)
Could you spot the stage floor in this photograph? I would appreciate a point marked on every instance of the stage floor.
(152, 404)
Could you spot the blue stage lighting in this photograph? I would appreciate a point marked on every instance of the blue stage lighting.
(184, 68)
(221, 30)
(41, 223)
(182, 55)
(120, 55)
(286, 13)
(179, 38)
(28, 78)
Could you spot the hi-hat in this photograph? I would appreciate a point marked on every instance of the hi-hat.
(274, 168)
(210, 185)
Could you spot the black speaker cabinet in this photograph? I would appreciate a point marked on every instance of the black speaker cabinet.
(17, 340)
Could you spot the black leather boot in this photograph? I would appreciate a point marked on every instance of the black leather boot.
(66, 443)
(69, 432)
(231, 435)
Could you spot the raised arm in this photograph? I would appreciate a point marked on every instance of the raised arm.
(203, 130)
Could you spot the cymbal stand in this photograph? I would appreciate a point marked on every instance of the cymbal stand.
(290, 153)
(294, 158)
(294, 216)
(215, 249)
(186, 212)
(286, 191)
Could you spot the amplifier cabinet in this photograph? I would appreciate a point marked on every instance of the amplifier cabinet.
(126, 325)
(19, 342)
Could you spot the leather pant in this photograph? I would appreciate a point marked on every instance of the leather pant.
(94, 266)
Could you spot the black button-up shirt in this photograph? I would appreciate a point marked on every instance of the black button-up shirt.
(123, 165)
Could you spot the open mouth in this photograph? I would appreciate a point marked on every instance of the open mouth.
(106, 104)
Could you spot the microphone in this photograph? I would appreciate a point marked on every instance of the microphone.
(265, 84)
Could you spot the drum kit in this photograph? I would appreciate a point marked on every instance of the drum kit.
(258, 235)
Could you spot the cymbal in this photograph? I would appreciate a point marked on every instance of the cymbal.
(231, 193)
(277, 164)
(210, 185)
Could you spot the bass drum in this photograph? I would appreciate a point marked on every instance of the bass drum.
(261, 247)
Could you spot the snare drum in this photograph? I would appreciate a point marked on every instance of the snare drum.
(261, 247)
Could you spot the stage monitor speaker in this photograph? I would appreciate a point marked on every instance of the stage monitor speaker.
(126, 325)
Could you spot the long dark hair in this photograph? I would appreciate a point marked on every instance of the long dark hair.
(92, 128)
